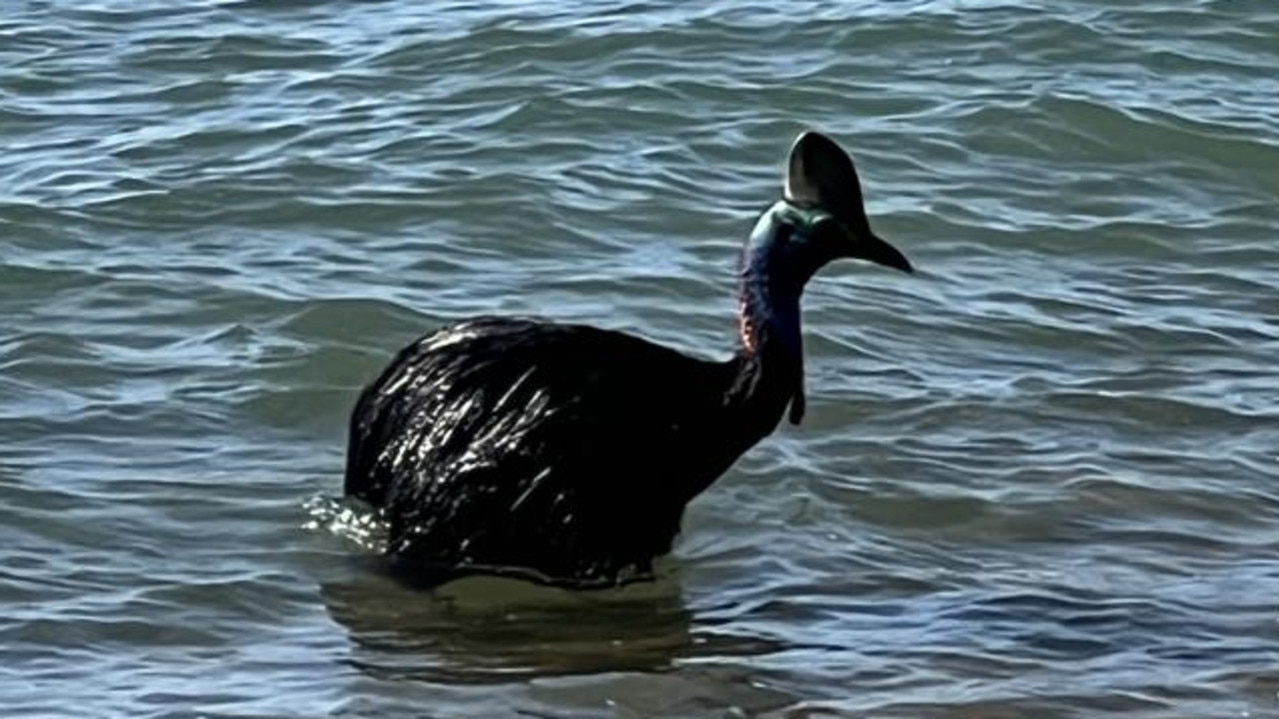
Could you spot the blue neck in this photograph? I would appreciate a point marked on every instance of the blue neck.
(779, 259)
(768, 305)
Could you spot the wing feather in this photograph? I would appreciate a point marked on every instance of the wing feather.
(489, 433)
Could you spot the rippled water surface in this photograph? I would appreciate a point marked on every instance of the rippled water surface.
(1037, 479)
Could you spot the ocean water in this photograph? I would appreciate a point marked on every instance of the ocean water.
(1038, 479)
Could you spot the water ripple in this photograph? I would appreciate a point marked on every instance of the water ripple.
(1036, 479)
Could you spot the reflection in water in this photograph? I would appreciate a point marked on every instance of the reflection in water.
(489, 629)
(638, 646)
(638, 640)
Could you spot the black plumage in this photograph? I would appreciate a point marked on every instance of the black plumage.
(567, 453)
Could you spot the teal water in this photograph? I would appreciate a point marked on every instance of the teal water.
(1038, 479)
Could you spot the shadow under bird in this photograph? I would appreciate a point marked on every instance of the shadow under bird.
(566, 453)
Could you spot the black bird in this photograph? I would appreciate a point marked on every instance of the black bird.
(566, 453)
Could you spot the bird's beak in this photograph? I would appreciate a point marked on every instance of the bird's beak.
(869, 247)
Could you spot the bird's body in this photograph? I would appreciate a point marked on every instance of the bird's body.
(565, 450)
(568, 453)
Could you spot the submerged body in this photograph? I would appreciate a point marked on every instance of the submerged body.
(568, 453)
(508, 444)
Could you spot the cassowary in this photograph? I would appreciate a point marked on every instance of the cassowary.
(566, 453)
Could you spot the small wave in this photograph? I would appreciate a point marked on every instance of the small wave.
(348, 519)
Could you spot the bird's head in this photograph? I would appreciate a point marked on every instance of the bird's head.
(820, 217)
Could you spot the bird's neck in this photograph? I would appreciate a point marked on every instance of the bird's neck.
(767, 315)
(770, 363)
